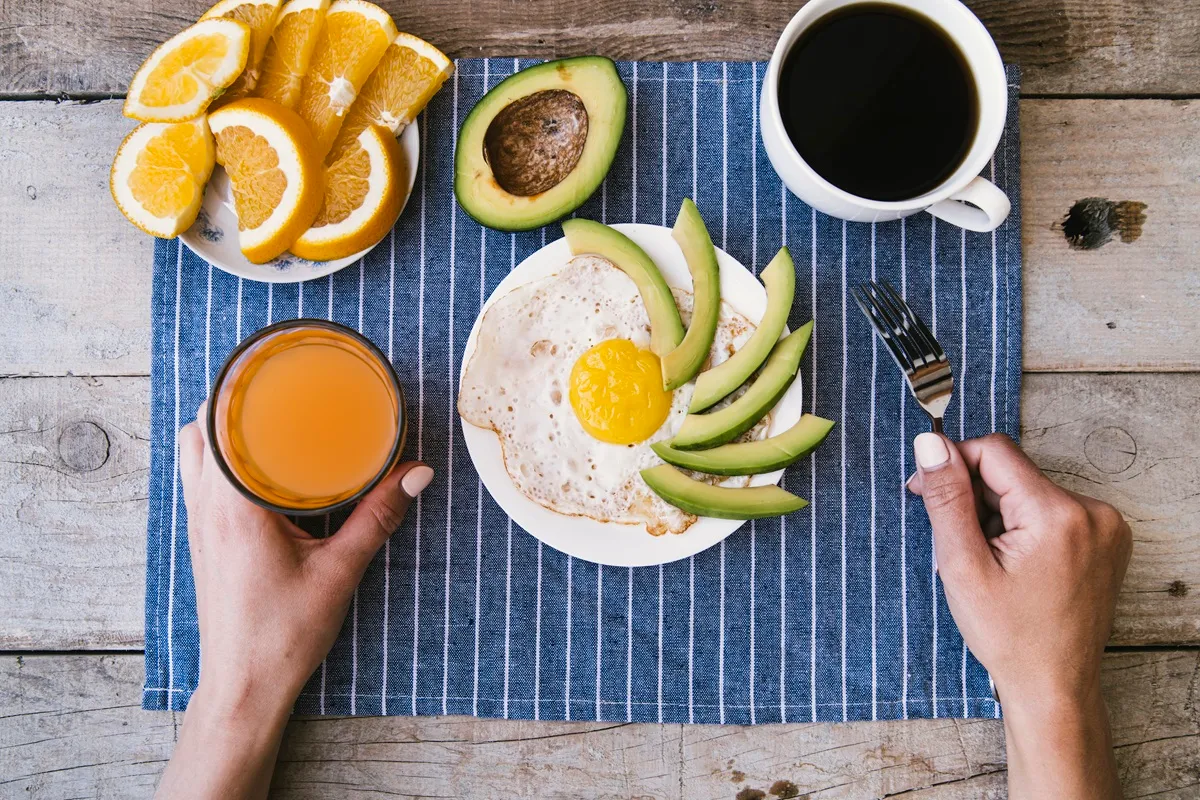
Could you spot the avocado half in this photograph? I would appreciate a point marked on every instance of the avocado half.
(540, 143)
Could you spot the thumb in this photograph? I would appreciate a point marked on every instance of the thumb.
(378, 515)
(959, 543)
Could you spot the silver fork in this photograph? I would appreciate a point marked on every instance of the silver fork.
(911, 344)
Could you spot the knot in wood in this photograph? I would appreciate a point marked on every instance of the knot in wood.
(1111, 450)
(83, 446)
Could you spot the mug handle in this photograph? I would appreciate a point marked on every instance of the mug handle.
(988, 207)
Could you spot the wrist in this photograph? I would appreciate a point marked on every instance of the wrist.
(237, 706)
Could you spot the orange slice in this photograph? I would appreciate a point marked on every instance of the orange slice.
(290, 51)
(159, 174)
(355, 36)
(188, 71)
(364, 193)
(275, 174)
(259, 17)
(409, 74)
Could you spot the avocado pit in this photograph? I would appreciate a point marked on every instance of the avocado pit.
(536, 141)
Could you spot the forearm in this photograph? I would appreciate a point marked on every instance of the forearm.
(1060, 749)
(225, 749)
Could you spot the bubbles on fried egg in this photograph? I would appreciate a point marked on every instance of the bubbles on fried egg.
(518, 383)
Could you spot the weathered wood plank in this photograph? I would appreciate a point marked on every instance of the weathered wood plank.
(72, 537)
(1072, 46)
(72, 728)
(77, 276)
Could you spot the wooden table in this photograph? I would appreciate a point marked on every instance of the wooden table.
(1110, 407)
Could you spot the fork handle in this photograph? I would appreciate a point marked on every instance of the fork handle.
(937, 424)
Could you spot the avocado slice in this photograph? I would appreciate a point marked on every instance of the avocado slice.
(586, 236)
(702, 431)
(706, 500)
(540, 143)
(752, 458)
(681, 364)
(721, 380)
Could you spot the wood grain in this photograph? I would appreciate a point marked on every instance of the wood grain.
(75, 293)
(72, 539)
(72, 728)
(1065, 46)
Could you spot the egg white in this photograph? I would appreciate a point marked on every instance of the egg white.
(516, 384)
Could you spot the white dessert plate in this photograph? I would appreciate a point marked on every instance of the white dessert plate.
(610, 543)
(214, 235)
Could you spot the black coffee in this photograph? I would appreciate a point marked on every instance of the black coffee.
(879, 101)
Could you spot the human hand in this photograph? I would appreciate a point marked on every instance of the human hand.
(270, 601)
(1031, 573)
(271, 598)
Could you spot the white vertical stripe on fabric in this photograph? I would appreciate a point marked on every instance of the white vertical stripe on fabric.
(903, 499)
(692, 639)
(932, 553)
(387, 545)
(328, 311)
(237, 326)
(724, 154)
(660, 643)
(634, 154)
(721, 640)
(753, 721)
(271, 302)
(754, 168)
(328, 517)
(629, 649)
(208, 333)
(599, 632)
(421, 408)
(992, 394)
(664, 144)
(812, 460)
(537, 640)
(871, 429)
(354, 600)
(567, 675)
(175, 480)
(451, 412)
(962, 413)
(695, 128)
(507, 611)
(845, 351)
(299, 300)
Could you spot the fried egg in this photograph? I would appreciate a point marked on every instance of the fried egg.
(563, 374)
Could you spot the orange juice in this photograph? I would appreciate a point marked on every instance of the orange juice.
(306, 415)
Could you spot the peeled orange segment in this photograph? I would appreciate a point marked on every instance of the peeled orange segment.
(355, 36)
(365, 191)
(159, 174)
(276, 177)
(290, 51)
(409, 74)
(188, 71)
(259, 16)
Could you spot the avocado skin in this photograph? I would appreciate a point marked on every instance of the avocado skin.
(570, 193)
(685, 361)
(702, 431)
(718, 382)
(706, 500)
(588, 236)
(752, 458)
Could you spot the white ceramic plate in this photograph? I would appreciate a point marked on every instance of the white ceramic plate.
(611, 543)
(214, 238)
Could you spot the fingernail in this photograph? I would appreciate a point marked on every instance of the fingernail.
(908, 483)
(415, 480)
(930, 450)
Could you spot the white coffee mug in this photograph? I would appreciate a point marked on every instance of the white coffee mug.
(963, 199)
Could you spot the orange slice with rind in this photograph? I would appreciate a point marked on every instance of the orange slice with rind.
(187, 72)
(365, 192)
(290, 50)
(159, 174)
(277, 180)
(409, 74)
(259, 16)
(354, 39)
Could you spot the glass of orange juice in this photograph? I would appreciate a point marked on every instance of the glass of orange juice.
(306, 416)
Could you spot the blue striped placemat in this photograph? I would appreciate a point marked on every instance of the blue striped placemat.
(832, 613)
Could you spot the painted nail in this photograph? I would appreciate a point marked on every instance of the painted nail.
(930, 450)
(415, 480)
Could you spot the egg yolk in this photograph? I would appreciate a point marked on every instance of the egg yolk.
(617, 392)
